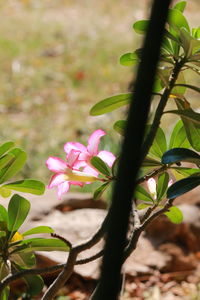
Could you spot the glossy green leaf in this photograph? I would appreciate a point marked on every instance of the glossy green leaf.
(177, 20)
(120, 126)
(3, 214)
(162, 185)
(15, 166)
(129, 59)
(34, 283)
(140, 27)
(4, 192)
(5, 147)
(98, 192)
(159, 144)
(5, 160)
(40, 244)
(150, 162)
(158, 85)
(178, 137)
(189, 43)
(180, 154)
(110, 104)
(18, 210)
(143, 206)
(192, 130)
(185, 172)
(142, 194)
(25, 260)
(175, 215)
(38, 229)
(196, 32)
(27, 186)
(183, 186)
(187, 114)
(100, 165)
(180, 6)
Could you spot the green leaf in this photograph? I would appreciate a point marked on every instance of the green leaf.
(34, 283)
(143, 206)
(183, 186)
(24, 260)
(15, 165)
(5, 147)
(187, 114)
(129, 59)
(159, 144)
(5, 160)
(180, 6)
(142, 194)
(189, 86)
(150, 162)
(3, 214)
(185, 172)
(120, 126)
(162, 185)
(189, 43)
(100, 165)
(192, 130)
(98, 192)
(175, 215)
(140, 27)
(27, 186)
(180, 154)
(5, 193)
(38, 229)
(177, 20)
(178, 137)
(18, 210)
(41, 244)
(110, 104)
(2, 233)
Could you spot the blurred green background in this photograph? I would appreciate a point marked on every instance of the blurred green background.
(57, 59)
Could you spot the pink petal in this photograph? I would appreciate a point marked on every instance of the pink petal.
(91, 171)
(56, 179)
(93, 141)
(77, 183)
(74, 146)
(72, 157)
(107, 157)
(63, 188)
(56, 164)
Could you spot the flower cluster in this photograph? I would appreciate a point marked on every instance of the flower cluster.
(77, 169)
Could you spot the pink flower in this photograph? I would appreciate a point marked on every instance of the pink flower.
(86, 153)
(67, 173)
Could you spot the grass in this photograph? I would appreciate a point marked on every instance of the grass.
(58, 58)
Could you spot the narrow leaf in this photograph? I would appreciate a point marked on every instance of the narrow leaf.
(5, 147)
(98, 192)
(180, 154)
(129, 59)
(177, 20)
(40, 244)
(159, 144)
(5, 160)
(180, 6)
(120, 126)
(142, 194)
(162, 185)
(15, 166)
(110, 104)
(18, 210)
(175, 215)
(178, 137)
(183, 186)
(38, 229)
(27, 186)
(187, 114)
(100, 165)
(140, 27)
(189, 86)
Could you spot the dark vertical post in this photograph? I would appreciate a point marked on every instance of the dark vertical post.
(130, 161)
